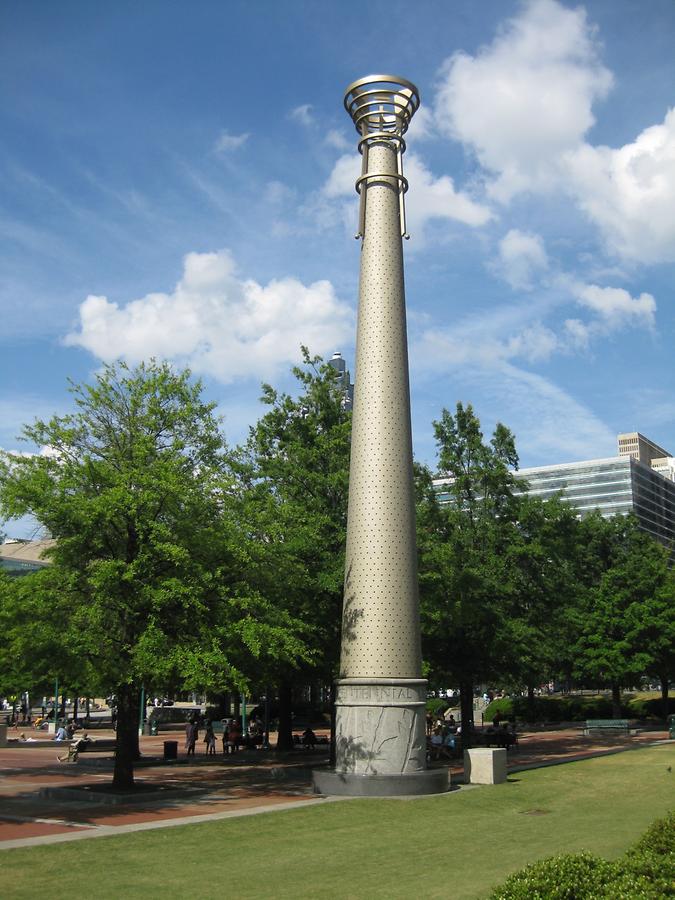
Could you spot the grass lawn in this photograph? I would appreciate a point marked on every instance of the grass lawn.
(453, 846)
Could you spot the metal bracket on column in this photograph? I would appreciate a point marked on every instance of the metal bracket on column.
(381, 107)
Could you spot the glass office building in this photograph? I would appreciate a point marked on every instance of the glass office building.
(618, 485)
(23, 557)
(614, 485)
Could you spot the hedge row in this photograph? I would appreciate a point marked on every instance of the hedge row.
(572, 709)
(647, 870)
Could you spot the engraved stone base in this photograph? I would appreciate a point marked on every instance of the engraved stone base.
(432, 781)
(380, 726)
(485, 765)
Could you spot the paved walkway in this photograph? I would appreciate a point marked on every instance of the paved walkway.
(206, 788)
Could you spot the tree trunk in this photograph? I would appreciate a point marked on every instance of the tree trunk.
(285, 733)
(76, 706)
(333, 717)
(616, 700)
(126, 746)
(665, 706)
(531, 713)
(63, 707)
(466, 708)
(221, 703)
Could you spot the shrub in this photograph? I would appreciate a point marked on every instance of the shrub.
(645, 872)
(569, 877)
(573, 708)
(504, 706)
(437, 706)
(654, 854)
(659, 838)
(649, 709)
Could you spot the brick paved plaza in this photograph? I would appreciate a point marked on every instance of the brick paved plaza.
(208, 788)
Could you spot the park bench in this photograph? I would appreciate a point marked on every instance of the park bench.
(497, 738)
(96, 746)
(610, 725)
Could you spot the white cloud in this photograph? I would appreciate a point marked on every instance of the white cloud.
(429, 197)
(227, 141)
(336, 139)
(536, 343)
(629, 193)
(343, 176)
(218, 323)
(436, 198)
(485, 340)
(578, 334)
(507, 334)
(531, 405)
(552, 424)
(303, 114)
(615, 307)
(422, 127)
(525, 99)
(522, 256)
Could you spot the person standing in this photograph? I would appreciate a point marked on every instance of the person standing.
(190, 737)
(210, 740)
(193, 738)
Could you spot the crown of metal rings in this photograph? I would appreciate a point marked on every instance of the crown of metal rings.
(381, 107)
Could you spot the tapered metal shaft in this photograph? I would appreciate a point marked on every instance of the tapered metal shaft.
(380, 704)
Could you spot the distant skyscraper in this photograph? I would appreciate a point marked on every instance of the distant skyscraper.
(639, 480)
(343, 378)
(639, 447)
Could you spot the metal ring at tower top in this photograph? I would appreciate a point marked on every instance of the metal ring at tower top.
(382, 103)
(382, 136)
(380, 176)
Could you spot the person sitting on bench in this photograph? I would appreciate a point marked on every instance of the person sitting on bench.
(75, 748)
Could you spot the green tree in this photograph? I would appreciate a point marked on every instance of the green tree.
(463, 566)
(625, 573)
(293, 474)
(134, 490)
(655, 630)
(35, 645)
(541, 558)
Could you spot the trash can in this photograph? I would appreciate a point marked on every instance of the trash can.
(154, 727)
(671, 726)
(170, 749)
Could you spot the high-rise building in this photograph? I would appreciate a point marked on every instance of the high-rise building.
(24, 557)
(617, 485)
(639, 447)
(343, 378)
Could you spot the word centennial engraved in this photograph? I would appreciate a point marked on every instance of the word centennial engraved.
(377, 693)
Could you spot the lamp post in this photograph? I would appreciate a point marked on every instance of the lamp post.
(141, 712)
(381, 695)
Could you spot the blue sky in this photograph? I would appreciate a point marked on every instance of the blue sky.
(177, 180)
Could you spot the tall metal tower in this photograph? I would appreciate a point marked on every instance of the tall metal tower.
(380, 702)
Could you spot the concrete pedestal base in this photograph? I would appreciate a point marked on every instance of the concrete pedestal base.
(345, 784)
(380, 726)
(485, 765)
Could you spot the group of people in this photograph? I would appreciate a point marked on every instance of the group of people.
(231, 737)
(442, 736)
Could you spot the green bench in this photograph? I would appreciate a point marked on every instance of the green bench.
(612, 725)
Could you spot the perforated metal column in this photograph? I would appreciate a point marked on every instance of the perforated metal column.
(381, 696)
(380, 703)
(381, 635)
